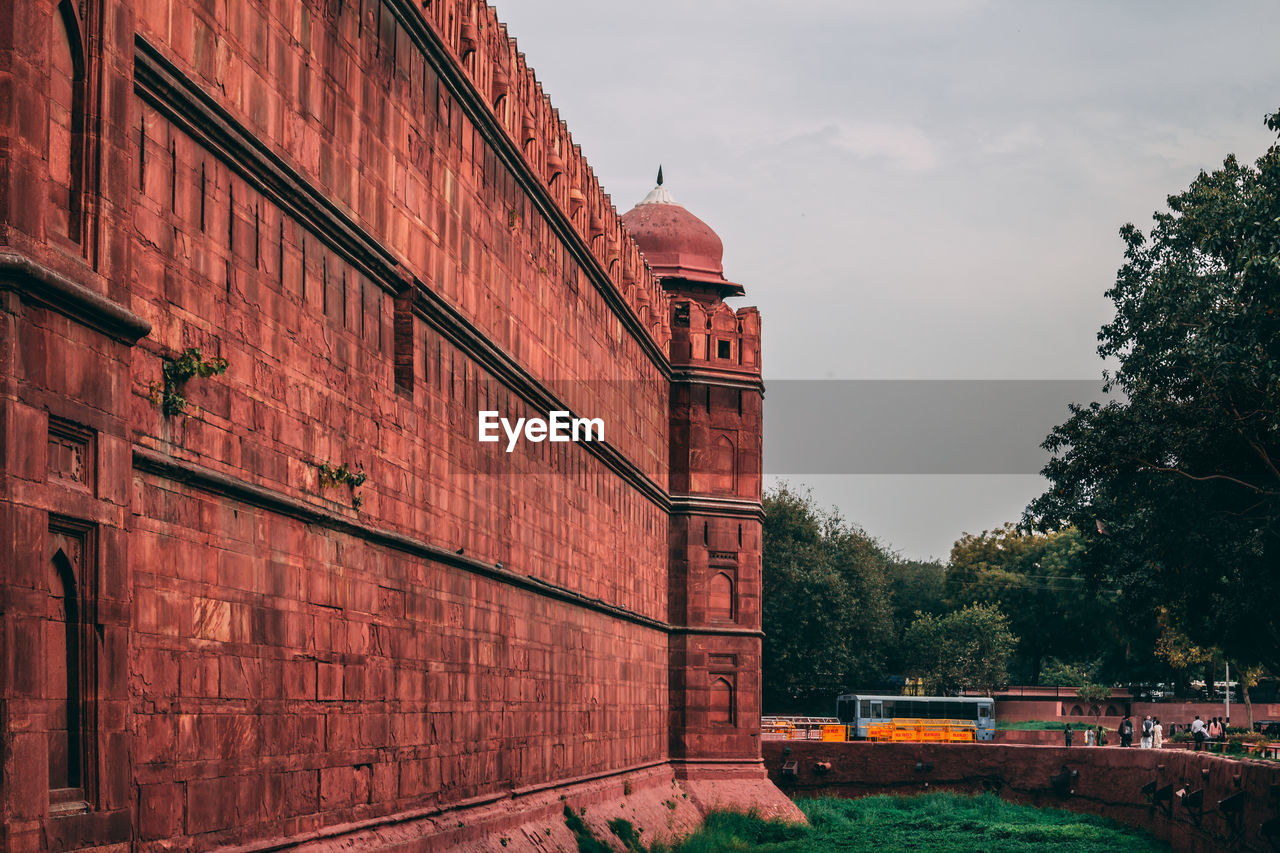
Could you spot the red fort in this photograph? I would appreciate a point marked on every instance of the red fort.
(261, 265)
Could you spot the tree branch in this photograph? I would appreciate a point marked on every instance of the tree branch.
(1165, 470)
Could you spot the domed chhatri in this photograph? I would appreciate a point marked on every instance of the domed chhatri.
(682, 250)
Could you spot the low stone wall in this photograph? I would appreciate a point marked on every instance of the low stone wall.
(1039, 738)
(1183, 713)
(1054, 737)
(1104, 781)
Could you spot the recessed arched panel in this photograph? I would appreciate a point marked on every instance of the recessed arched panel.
(720, 600)
(62, 676)
(66, 121)
(723, 465)
(720, 711)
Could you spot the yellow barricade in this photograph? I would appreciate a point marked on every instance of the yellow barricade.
(924, 731)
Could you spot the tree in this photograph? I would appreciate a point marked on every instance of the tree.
(1057, 673)
(1249, 677)
(826, 610)
(967, 649)
(1176, 649)
(1175, 486)
(1094, 695)
(1038, 581)
(917, 585)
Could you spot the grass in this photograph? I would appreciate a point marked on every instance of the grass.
(931, 823)
(1037, 725)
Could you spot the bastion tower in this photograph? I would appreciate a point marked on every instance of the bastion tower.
(715, 486)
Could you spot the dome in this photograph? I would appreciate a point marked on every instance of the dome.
(677, 244)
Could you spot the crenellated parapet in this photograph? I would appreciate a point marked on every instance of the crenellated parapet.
(715, 336)
(494, 64)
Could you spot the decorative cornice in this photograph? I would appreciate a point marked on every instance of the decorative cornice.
(700, 505)
(37, 283)
(719, 378)
(198, 476)
(707, 630)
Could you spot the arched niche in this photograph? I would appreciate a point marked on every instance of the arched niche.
(720, 702)
(720, 598)
(66, 122)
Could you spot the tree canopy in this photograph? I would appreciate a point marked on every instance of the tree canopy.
(826, 611)
(1175, 486)
(1037, 580)
(965, 649)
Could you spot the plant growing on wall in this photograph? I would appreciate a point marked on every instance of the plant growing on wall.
(332, 477)
(177, 371)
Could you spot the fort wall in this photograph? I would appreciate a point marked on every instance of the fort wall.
(292, 597)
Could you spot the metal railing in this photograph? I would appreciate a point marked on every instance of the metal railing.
(803, 728)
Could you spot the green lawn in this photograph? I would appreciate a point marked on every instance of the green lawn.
(929, 822)
(1036, 725)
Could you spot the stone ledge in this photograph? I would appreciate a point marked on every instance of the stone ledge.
(206, 479)
(37, 283)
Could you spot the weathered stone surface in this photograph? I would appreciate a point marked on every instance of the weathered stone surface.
(373, 214)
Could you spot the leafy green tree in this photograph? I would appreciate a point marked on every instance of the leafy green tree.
(826, 609)
(917, 585)
(1093, 695)
(1175, 486)
(1057, 673)
(1038, 581)
(968, 649)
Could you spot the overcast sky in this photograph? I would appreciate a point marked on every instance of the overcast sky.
(923, 190)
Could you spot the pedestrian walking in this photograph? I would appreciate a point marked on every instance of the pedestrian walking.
(1148, 729)
(1067, 734)
(1198, 732)
(1126, 731)
(1157, 735)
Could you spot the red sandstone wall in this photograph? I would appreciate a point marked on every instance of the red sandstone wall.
(350, 100)
(1184, 712)
(430, 685)
(1109, 782)
(715, 534)
(371, 211)
(1175, 712)
(300, 681)
(311, 381)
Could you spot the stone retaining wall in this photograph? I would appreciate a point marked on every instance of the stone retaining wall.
(1107, 782)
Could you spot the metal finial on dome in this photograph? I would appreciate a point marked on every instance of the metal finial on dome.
(659, 194)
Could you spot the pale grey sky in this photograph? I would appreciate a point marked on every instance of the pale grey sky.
(925, 190)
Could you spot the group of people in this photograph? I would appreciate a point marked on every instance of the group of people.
(1214, 730)
(1151, 732)
(1093, 735)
